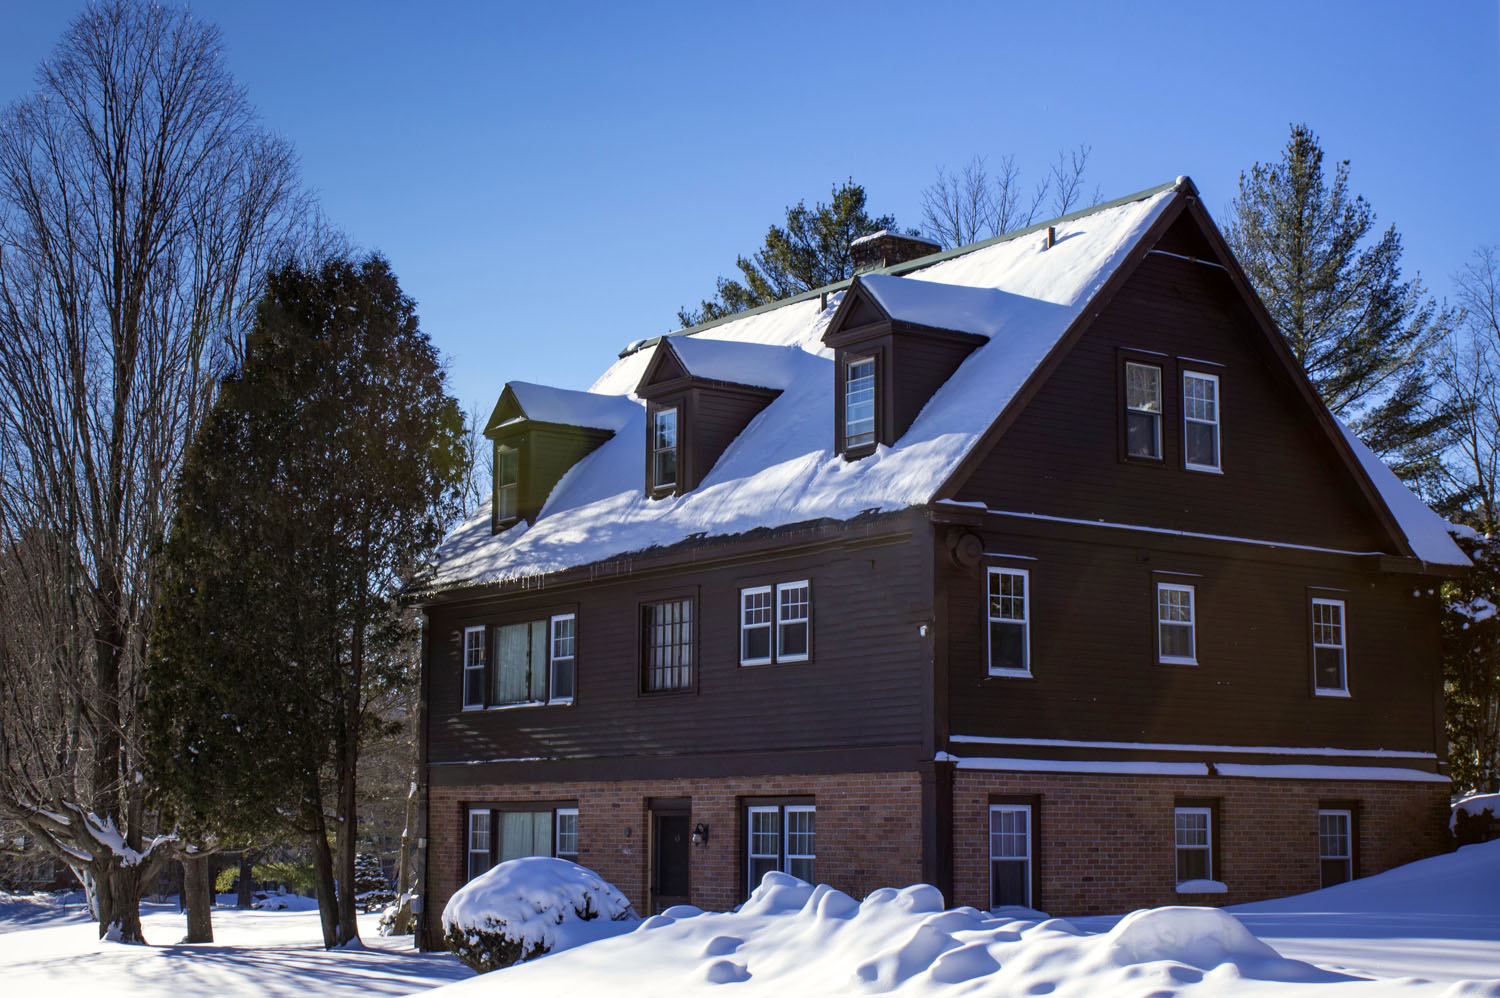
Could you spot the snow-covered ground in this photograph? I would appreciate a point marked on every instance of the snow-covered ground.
(1428, 929)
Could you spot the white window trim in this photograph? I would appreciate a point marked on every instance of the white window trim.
(874, 431)
(1343, 647)
(1030, 847)
(469, 850)
(802, 656)
(1207, 847)
(769, 626)
(464, 692)
(750, 853)
(1192, 625)
(786, 836)
(989, 652)
(675, 449)
(1156, 417)
(1348, 856)
(514, 486)
(557, 815)
(553, 658)
(1216, 469)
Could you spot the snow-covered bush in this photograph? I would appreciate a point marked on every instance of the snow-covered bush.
(1476, 818)
(523, 908)
(399, 912)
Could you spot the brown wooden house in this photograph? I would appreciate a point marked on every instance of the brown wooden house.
(1033, 569)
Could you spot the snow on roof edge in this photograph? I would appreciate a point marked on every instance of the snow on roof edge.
(1425, 531)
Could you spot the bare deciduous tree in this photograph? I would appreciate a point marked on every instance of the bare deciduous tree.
(964, 206)
(140, 206)
(1470, 375)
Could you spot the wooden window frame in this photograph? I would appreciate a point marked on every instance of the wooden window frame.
(553, 658)
(1314, 601)
(481, 667)
(768, 625)
(504, 519)
(655, 488)
(492, 812)
(782, 621)
(780, 806)
(690, 600)
(1347, 813)
(1030, 808)
(865, 351)
(487, 850)
(775, 622)
(1127, 360)
(1217, 422)
(1162, 657)
(557, 834)
(1025, 621)
(1210, 808)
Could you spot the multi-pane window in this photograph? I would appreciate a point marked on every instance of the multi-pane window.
(1330, 676)
(774, 623)
(1010, 855)
(566, 846)
(1174, 624)
(1335, 846)
(859, 403)
(1143, 410)
(1195, 843)
(564, 656)
(520, 663)
(499, 833)
(667, 645)
(479, 842)
(532, 662)
(507, 482)
(1010, 639)
(780, 837)
(663, 448)
(473, 666)
(1200, 414)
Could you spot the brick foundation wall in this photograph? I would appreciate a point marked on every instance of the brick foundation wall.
(869, 832)
(1106, 842)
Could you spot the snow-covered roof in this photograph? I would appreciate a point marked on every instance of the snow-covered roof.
(1425, 531)
(742, 363)
(546, 404)
(782, 469)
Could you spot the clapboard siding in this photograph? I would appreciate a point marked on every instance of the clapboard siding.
(1094, 664)
(1282, 479)
(717, 418)
(863, 687)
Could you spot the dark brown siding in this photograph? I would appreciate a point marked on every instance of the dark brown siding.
(1282, 479)
(919, 368)
(1094, 665)
(549, 452)
(863, 687)
(718, 417)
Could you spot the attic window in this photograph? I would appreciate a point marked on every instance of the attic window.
(859, 403)
(664, 448)
(507, 483)
(1143, 410)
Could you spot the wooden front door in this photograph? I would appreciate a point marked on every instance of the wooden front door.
(670, 841)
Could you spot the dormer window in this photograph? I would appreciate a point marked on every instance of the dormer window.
(859, 403)
(507, 483)
(664, 448)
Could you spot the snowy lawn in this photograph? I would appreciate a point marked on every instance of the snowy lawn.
(49, 950)
(1428, 929)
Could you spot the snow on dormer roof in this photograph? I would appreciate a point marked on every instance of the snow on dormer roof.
(759, 365)
(545, 404)
(958, 307)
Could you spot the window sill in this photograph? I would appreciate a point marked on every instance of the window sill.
(1167, 660)
(1012, 673)
(1336, 694)
(1206, 469)
(856, 453)
(524, 704)
(471, 707)
(1202, 887)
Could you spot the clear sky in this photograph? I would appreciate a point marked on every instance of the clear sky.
(551, 181)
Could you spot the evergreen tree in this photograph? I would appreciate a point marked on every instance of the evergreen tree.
(327, 470)
(1334, 288)
(1471, 667)
(810, 252)
(371, 888)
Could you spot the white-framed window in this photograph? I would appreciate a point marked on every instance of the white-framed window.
(1009, 622)
(775, 623)
(859, 402)
(1010, 855)
(755, 625)
(667, 645)
(1335, 845)
(1330, 647)
(780, 837)
(1143, 409)
(479, 841)
(1194, 833)
(564, 657)
(1200, 416)
(1175, 624)
(473, 667)
(507, 482)
(664, 448)
(566, 845)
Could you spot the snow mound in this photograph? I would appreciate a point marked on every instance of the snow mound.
(1200, 937)
(524, 908)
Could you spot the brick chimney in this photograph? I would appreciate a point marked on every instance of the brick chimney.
(886, 249)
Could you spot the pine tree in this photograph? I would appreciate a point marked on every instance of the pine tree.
(1334, 288)
(810, 252)
(371, 888)
(328, 469)
(1471, 667)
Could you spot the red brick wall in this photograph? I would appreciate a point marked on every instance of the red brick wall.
(869, 832)
(1106, 842)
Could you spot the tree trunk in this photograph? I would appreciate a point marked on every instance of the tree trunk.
(120, 903)
(247, 873)
(198, 892)
(328, 912)
(402, 924)
(346, 836)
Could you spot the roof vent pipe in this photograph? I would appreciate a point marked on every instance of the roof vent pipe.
(1051, 237)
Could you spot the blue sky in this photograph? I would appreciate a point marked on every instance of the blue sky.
(551, 181)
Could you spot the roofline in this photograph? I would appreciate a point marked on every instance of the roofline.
(1183, 183)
